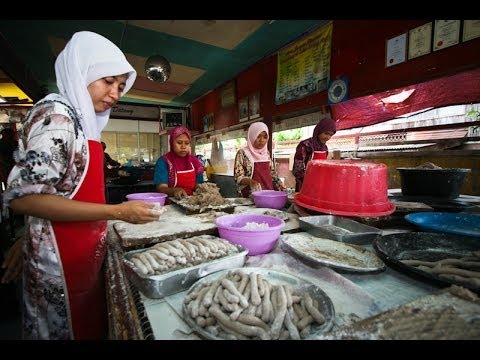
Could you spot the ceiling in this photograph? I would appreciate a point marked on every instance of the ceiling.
(203, 54)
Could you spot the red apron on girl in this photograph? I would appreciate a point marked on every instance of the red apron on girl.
(186, 179)
(262, 174)
(82, 248)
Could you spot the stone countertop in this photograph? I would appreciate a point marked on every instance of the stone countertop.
(355, 296)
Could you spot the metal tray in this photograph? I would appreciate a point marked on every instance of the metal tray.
(331, 253)
(276, 278)
(338, 228)
(159, 286)
(426, 247)
(229, 207)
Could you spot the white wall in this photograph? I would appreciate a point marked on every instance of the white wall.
(121, 125)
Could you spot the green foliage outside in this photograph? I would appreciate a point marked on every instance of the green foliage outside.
(476, 115)
(294, 134)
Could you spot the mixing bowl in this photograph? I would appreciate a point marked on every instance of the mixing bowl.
(270, 199)
(148, 197)
(257, 233)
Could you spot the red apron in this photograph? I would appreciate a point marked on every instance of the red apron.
(261, 173)
(319, 155)
(82, 249)
(187, 180)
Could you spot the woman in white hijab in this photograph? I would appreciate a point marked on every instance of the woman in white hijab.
(58, 182)
(253, 168)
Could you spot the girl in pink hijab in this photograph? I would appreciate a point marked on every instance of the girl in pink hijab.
(254, 169)
(177, 173)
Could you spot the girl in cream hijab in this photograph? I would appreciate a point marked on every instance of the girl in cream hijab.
(254, 169)
(58, 182)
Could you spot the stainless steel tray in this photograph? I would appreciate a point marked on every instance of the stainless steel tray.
(339, 228)
(331, 253)
(159, 286)
(276, 278)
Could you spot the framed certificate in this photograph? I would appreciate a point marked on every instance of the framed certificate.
(471, 29)
(446, 34)
(420, 41)
(396, 50)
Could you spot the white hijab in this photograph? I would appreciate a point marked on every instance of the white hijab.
(86, 58)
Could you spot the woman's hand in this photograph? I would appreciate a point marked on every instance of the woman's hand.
(13, 262)
(179, 193)
(136, 212)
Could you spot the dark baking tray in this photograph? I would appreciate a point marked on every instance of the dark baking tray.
(426, 247)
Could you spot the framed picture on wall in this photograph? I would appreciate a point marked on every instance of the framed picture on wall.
(227, 95)
(243, 109)
(471, 29)
(420, 41)
(396, 50)
(254, 106)
(208, 124)
(446, 34)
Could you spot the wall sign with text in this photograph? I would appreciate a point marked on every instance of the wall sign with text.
(137, 112)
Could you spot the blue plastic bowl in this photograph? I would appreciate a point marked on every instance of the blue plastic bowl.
(446, 222)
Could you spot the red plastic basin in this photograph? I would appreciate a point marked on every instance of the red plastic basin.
(346, 187)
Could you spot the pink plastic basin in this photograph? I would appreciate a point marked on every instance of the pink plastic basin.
(270, 199)
(255, 240)
(346, 187)
(148, 197)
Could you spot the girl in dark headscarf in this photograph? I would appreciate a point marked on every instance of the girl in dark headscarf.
(177, 173)
(307, 148)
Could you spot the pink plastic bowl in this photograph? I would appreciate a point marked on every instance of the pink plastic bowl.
(270, 199)
(257, 240)
(346, 187)
(148, 197)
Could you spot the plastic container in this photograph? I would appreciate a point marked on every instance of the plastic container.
(446, 222)
(148, 197)
(238, 229)
(442, 183)
(346, 187)
(270, 199)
